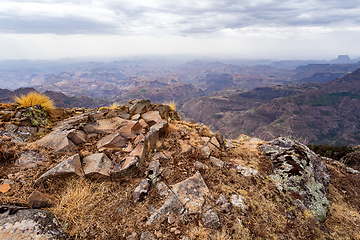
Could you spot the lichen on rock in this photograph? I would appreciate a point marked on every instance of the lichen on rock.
(300, 170)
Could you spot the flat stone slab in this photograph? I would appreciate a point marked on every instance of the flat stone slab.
(114, 140)
(20, 223)
(151, 117)
(191, 192)
(97, 165)
(68, 167)
(111, 124)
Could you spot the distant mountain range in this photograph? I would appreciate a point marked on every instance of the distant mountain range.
(318, 114)
(263, 99)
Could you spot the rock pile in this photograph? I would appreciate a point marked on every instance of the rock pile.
(182, 180)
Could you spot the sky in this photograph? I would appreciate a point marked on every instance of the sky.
(242, 29)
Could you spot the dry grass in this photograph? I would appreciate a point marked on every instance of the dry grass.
(85, 207)
(114, 106)
(171, 104)
(35, 98)
(343, 219)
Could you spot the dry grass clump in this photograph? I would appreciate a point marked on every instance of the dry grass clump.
(343, 219)
(171, 104)
(35, 98)
(89, 208)
(114, 106)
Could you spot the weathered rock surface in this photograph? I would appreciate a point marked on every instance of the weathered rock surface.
(20, 223)
(151, 117)
(211, 219)
(300, 170)
(30, 159)
(139, 106)
(57, 140)
(147, 236)
(97, 165)
(191, 192)
(141, 190)
(126, 167)
(171, 205)
(68, 167)
(114, 140)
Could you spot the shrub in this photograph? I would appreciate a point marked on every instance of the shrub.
(35, 98)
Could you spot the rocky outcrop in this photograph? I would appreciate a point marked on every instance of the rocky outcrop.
(297, 169)
(22, 223)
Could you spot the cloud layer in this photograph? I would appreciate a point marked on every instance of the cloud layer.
(176, 17)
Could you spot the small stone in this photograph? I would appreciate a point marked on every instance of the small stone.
(133, 236)
(128, 148)
(138, 106)
(77, 136)
(111, 125)
(200, 166)
(153, 171)
(185, 147)
(215, 142)
(205, 139)
(206, 151)
(38, 199)
(141, 190)
(217, 162)
(171, 205)
(140, 138)
(159, 156)
(166, 173)
(147, 236)
(136, 117)
(246, 171)
(224, 203)
(237, 201)
(211, 219)
(162, 189)
(171, 218)
(4, 187)
(159, 234)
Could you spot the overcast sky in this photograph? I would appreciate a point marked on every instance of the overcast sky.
(272, 29)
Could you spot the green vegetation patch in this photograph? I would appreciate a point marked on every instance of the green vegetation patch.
(325, 113)
(311, 125)
(279, 121)
(334, 152)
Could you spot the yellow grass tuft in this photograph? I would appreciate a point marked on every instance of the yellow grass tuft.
(35, 98)
(171, 104)
(114, 106)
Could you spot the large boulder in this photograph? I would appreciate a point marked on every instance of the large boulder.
(21, 223)
(297, 169)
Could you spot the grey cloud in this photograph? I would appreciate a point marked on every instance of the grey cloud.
(179, 17)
